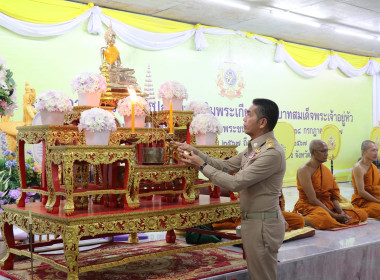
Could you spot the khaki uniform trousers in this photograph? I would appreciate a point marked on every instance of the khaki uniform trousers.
(262, 239)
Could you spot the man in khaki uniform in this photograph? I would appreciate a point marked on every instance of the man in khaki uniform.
(259, 171)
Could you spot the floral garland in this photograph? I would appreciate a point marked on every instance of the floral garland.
(124, 106)
(87, 82)
(198, 107)
(8, 96)
(203, 123)
(97, 119)
(172, 89)
(53, 100)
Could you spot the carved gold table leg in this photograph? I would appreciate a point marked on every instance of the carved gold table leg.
(133, 238)
(7, 231)
(68, 164)
(71, 251)
(132, 196)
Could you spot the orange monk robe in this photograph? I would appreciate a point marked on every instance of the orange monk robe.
(372, 186)
(230, 223)
(294, 220)
(325, 189)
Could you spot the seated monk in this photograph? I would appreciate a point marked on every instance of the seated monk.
(294, 220)
(319, 194)
(365, 178)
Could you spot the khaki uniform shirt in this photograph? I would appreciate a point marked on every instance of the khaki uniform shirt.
(259, 169)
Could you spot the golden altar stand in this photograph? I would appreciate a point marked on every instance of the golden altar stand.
(67, 156)
(48, 135)
(98, 221)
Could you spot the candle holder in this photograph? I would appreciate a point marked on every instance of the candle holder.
(132, 138)
(171, 148)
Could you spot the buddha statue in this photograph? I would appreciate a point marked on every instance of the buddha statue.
(9, 127)
(29, 99)
(120, 78)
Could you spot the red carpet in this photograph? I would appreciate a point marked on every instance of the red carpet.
(185, 266)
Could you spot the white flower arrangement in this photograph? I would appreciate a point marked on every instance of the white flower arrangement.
(97, 119)
(87, 82)
(172, 89)
(124, 106)
(198, 107)
(203, 123)
(52, 101)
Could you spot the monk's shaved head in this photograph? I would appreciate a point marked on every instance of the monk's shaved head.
(366, 144)
(315, 144)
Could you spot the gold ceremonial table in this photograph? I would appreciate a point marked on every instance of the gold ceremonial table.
(48, 135)
(97, 221)
(67, 155)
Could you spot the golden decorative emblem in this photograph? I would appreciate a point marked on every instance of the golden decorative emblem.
(269, 143)
(331, 143)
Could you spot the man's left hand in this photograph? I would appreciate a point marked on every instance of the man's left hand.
(192, 160)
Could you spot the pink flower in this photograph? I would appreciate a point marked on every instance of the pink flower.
(97, 119)
(87, 82)
(53, 100)
(124, 106)
(172, 89)
(198, 107)
(203, 123)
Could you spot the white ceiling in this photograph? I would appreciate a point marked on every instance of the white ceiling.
(359, 15)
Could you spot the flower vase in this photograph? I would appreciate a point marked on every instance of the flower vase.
(89, 99)
(176, 102)
(208, 138)
(139, 121)
(52, 118)
(97, 137)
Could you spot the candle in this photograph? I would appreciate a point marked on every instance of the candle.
(171, 117)
(30, 214)
(133, 117)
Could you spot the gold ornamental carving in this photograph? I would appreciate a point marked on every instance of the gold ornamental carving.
(142, 134)
(72, 117)
(180, 118)
(218, 152)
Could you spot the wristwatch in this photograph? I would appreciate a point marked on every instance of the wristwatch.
(202, 166)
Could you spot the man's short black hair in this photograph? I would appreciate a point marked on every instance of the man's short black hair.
(267, 109)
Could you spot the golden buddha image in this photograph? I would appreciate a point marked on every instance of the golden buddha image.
(120, 78)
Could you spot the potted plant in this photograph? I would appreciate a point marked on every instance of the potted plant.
(172, 91)
(97, 125)
(205, 127)
(53, 105)
(8, 96)
(124, 108)
(89, 87)
(198, 107)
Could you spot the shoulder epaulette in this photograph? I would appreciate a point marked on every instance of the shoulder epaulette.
(269, 143)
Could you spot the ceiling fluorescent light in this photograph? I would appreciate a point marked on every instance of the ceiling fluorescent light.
(232, 4)
(296, 18)
(354, 33)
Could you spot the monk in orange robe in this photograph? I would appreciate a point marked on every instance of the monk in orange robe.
(294, 220)
(365, 178)
(319, 194)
